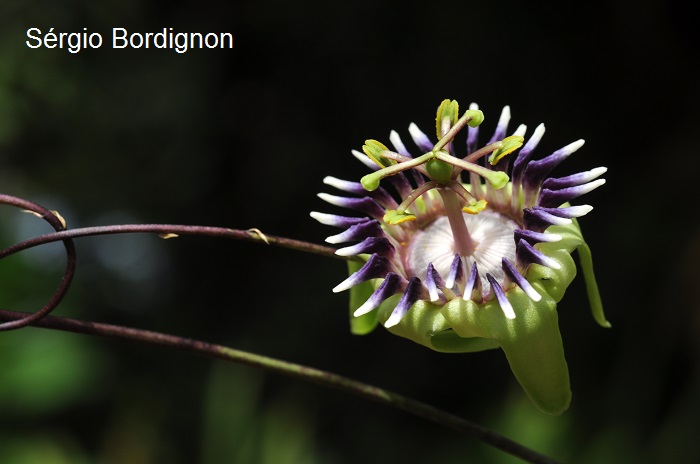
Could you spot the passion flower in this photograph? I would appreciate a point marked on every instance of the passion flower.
(467, 264)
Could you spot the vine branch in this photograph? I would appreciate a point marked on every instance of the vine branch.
(250, 235)
(324, 378)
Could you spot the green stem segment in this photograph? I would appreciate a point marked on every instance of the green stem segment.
(324, 378)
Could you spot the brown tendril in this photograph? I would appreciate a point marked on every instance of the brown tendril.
(57, 223)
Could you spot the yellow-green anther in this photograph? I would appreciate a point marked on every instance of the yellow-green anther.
(510, 144)
(448, 112)
(471, 117)
(476, 117)
(439, 171)
(394, 217)
(475, 207)
(374, 150)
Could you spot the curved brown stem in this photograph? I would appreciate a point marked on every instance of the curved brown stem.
(57, 223)
(327, 379)
(251, 235)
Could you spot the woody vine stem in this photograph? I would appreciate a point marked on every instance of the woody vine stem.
(10, 320)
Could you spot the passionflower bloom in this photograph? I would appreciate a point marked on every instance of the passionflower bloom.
(468, 252)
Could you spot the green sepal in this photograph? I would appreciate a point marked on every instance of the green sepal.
(531, 342)
(366, 323)
(393, 217)
(586, 259)
(572, 238)
(448, 109)
(510, 144)
(426, 324)
(374, 150)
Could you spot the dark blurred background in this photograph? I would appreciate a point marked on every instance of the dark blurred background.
(243, 138)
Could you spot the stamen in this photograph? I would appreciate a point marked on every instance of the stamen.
(413, 196)
(471, 117)
(483, 151)
(472, 132)
(376, 151)
(447, 116)
(510, 144)
(459, 189)
(371, 181)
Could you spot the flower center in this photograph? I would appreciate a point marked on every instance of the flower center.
(491, 233)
